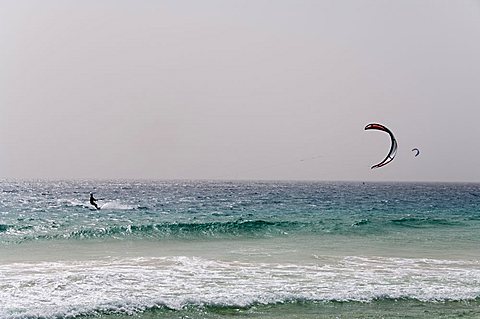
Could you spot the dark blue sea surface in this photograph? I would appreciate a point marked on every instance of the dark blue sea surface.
(210, 249)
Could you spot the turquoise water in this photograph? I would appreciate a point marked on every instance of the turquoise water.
(180, 249)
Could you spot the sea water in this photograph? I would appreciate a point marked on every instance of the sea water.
(222, 249)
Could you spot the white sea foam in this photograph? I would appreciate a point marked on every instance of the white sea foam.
(117, 206)
(128, 285)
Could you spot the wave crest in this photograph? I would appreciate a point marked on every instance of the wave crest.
(255, 228)
(416, 222)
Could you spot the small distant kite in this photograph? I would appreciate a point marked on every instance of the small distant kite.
(417, 151)
(393, 148)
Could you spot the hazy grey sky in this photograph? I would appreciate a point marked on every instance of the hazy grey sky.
(239, 89)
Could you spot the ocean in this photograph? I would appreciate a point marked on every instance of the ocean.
(239, 249)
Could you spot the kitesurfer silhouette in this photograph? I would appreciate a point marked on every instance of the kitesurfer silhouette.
(93, 200)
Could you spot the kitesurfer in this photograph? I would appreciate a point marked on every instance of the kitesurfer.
(93, 201)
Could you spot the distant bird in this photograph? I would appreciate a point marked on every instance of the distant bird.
(417, 151)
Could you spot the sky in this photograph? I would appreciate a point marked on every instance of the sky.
(240, 89)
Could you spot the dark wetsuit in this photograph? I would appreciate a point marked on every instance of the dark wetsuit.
(92, 201)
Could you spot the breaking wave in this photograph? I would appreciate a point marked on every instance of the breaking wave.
(49, 229)
(78, 288)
